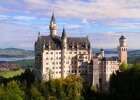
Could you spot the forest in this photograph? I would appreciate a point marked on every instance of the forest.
(124, 85)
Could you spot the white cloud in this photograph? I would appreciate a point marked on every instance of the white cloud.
(77, 8)
(71, 27)
(24, 18)
(87, 12)
(84, 21)
(3, 17)
(123, 24)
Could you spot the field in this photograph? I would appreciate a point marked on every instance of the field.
(23, 63)
(11, 73)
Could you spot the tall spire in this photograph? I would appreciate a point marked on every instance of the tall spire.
(63, 33)
(53, 18)
(53, 27)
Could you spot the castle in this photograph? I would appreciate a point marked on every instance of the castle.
(59, 56)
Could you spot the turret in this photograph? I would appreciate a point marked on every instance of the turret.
(63, 53)
(102, 52)
(122, 49)
(122, 41)
(53, 26)
(64, 39)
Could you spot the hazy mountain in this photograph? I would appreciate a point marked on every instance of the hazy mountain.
(115, 51)
(15, 52)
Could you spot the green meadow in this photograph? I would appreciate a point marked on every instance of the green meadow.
(10, 73)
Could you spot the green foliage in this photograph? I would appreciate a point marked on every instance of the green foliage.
(126, 85)
(123, 66)
(28, 87)
(11, 73)
(94, 88)
(12, 92)
(35, 94)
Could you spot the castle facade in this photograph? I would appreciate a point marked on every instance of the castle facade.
(59, 56)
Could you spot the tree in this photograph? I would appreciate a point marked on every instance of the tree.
(124, 85)
(35, 94)
(123, 66)
(12, 92)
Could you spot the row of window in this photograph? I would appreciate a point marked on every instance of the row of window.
(108, 62)
(64, 57)
(66, 52)
(81, 67)
(73, 71)
(124, 49)
(103, 70)
(73, 62)
(104, 67)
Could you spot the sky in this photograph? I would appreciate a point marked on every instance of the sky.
(103, 21)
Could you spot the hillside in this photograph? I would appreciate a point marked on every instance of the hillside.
(15, 52)
(115, 51)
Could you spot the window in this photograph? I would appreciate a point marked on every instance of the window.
(74, 52)
(47, 53)
(70, 52)
(51, 52)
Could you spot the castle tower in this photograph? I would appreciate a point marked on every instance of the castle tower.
(122, 49)
(63, 53)
(53, 26)
(102, 52)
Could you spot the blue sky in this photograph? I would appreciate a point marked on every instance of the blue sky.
(104, 21)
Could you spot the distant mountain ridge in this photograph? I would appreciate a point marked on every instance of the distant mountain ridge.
(21, 53)
(16, 52)
(115, 51)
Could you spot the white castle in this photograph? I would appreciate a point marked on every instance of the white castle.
(59, 56)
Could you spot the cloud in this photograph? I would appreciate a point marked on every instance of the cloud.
(24, 18)
(15, 35)
(72, 27)
(99, 9)
(84, 21)
(3, 17)
(20, 20)
(124, 24)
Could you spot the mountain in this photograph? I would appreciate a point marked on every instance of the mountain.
(115, 51)
(21, 53)
(16, 52)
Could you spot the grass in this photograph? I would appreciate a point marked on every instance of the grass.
(23, 63)
(11, 73)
